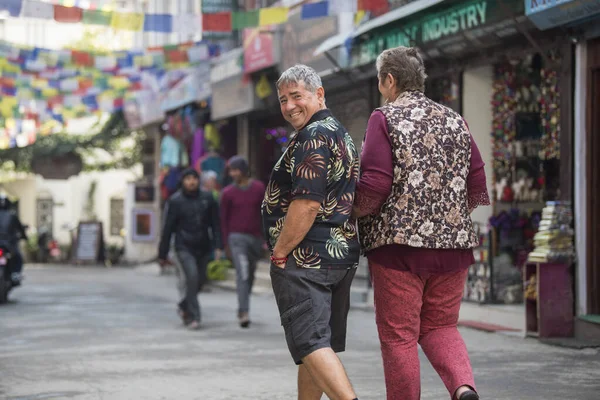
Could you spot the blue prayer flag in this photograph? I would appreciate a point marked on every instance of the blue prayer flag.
(315, 10)
(158, 23)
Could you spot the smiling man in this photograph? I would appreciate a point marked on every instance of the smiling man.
(306, 216)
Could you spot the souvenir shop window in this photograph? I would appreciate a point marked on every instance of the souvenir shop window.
(525, 143)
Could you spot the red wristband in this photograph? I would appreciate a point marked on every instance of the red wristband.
(277, 260)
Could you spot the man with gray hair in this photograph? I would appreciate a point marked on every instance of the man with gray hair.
(313, 241)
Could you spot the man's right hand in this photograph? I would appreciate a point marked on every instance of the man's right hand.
(162, 262)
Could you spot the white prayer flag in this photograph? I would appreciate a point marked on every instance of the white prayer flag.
(337, 7)
(187, 24)
(37, 9)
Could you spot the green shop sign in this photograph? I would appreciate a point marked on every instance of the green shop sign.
(424, 30)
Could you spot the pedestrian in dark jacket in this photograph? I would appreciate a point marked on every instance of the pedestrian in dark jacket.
(193, 216)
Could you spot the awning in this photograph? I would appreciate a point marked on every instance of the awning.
(332, 43)
(394, 15)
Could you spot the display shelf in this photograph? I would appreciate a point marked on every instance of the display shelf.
(551, 313)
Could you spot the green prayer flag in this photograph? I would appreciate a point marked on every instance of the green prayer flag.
(96, 17)
(244, 19)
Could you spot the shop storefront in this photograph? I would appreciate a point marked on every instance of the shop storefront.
(580, 20)
(268, 130)
(234, 97)
(486, 60)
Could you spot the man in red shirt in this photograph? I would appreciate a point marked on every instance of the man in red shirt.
(241, 226)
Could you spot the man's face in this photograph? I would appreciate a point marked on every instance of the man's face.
(298, 105)
(211, 184)
(236, 175)
(191, 183)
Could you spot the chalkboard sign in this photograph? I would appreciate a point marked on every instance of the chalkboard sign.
(89, 239)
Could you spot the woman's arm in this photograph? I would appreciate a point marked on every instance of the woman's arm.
(377, 170)
(476, 182)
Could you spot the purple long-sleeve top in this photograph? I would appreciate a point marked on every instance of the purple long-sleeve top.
(375, 186)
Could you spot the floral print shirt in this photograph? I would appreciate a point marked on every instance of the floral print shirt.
(321, 163)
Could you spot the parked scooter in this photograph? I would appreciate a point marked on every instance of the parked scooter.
(48, 249)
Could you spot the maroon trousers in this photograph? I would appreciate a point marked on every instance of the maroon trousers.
(411, 309)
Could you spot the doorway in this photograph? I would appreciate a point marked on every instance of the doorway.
(593, 157)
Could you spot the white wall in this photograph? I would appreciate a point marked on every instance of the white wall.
(477, 111)
(70, 198)
(25, 190)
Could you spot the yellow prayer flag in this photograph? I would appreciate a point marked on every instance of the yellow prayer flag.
(49, 92)
(273, 16)
(68, 3)
(68, 113)
(118, 82)
(39, 83)
(359, 16)
(7, 104)
(127, 21)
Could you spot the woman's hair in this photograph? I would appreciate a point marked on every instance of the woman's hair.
(405, 64)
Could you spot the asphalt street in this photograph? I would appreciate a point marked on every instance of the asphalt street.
(86, 333)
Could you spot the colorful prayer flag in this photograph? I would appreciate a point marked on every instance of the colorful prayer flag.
(158, 23)
(12, 6)
(244, 19)
(37, 9)
(82, 58)
(67, 14)
(376, 6)
(216, 22)
(337, 7)
(273, 16)
(96, 17)
(127, 21)
(315, 10)
(187, 24)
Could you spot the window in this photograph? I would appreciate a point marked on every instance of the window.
(116, 216)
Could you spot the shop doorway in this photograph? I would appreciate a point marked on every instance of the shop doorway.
(593, 268)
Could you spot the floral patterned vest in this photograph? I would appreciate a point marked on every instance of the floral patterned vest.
(428, 206)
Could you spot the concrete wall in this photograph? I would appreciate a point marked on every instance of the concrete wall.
(477, 110)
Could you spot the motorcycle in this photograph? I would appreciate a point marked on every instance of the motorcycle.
(6, 282)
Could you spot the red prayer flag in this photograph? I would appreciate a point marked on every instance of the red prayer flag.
(176, 56)
(67, 14)
(377, 7)
(216, 22)
(118, 103)
(82, 58)
(55, 101)
(85, 84)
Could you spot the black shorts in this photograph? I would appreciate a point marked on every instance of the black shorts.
(313, 306)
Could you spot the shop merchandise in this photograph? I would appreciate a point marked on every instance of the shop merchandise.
(170, 151)
(554, 239)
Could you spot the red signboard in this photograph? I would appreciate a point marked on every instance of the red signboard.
(258, 50)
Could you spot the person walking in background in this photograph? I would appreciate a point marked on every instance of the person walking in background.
(315, 250)
(193, 216)
(210, 183)
(421, 177)
(242, 232)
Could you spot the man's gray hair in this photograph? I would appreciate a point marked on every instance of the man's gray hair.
(300, 73)
(406, 66)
